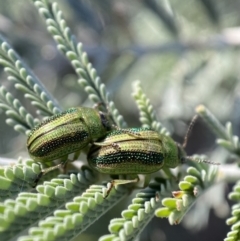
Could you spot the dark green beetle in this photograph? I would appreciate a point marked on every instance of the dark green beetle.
(66, 133)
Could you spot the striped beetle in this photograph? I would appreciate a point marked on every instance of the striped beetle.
(66, 133)
(135, 151)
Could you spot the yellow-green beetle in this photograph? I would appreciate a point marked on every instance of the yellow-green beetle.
(134, 151)
(66, 133)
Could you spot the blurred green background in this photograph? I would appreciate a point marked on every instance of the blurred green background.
(184, 53)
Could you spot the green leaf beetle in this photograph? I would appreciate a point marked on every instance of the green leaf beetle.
(66, 133)
(135, 151)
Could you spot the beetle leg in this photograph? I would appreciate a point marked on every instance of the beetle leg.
(76, 155)
(64, 162)
(45, 171)
(102, 143)
(113, 144)
(146, 180)
(116, 182)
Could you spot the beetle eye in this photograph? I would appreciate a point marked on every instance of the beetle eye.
(183, 160)
(104, 120)
(81, 119)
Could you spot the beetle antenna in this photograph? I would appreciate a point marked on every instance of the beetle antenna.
(189, 130)
(199, 160)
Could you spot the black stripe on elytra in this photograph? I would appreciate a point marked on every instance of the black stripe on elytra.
(46, 132)
(146, 158)
(54, 144)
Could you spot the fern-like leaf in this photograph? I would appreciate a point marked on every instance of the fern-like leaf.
(66, 43)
